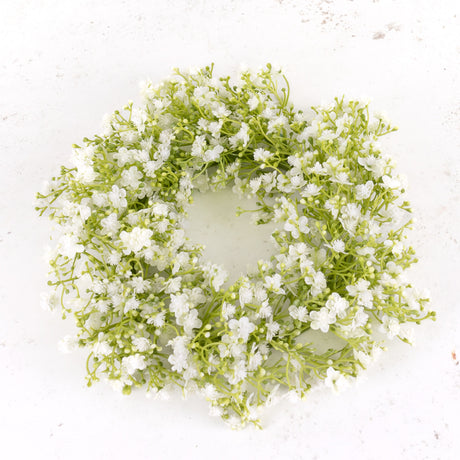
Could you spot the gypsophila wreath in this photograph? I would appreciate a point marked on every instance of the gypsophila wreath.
(152, 313)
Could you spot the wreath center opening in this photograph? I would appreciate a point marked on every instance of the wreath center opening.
(223, 223)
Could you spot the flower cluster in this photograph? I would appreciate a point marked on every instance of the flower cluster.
(152, 313)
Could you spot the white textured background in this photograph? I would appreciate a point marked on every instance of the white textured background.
(63, 64)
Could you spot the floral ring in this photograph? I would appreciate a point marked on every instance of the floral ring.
(148, 308)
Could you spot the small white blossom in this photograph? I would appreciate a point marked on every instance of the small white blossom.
(272, 329)
(133, 363)
(273, 283)
(299, 313)
(321, 319)
(335, 380)
(363, 191)
(69, 246)
(102, 348)
(245, 295)
(210, 392)
(110, 223)
(136, 239)
(262, 155)
(337, 246)
(118, 197)
(337, 305)
(390, 326)
(241, 328)
(228, 310)
(180, 354)
(131, 304)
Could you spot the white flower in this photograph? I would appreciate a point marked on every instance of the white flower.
(278, 122)
(179, 304)
(220, 110)
(242, 136)
(214, 128)
(391, 182)
(361, 318)
(69, 246)
(297, 227)
(374, 164)
(131, 304)
(160, 209)
(273, 283)
(83, 161)
(239, 372)
(117, 197)
(331, 206)
(213, 154)
(216, 274)
(303, 225)
(337, 305)
(407, 332)
(191, 321)
(321, 319)
(123, 156)
(318, 283)
(311, 190)
(198, 145)
(228, 310)
(180, 355)
(139, 117)
(173, 285)
(114, 258)
(363, 191)
(210, 392)
(141, 343)
(139, 284)
(102, 348)
(110, 224)
(245, 295)
(253, 103)
(350, 217)
(255, 360)
(361, 290)
(150, 167)
(131, 178)
(398, 248)
(241, 328)
(262, 155)
(99, 199)
(133, 363)
(135, 240)
(265, 310)
(390, 326)
(159, 319)
(84, 211)
(335, 380)
(337, 246)
(299, 313)
(272, 329)
(327, 135)
(255, 184)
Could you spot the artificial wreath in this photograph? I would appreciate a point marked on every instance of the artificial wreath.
(152, 313)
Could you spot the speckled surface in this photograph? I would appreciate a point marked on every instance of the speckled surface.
(63, 64)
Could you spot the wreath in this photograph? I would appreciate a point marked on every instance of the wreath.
(153, 313)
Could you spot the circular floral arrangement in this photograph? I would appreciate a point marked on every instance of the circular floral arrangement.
(153, 313)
